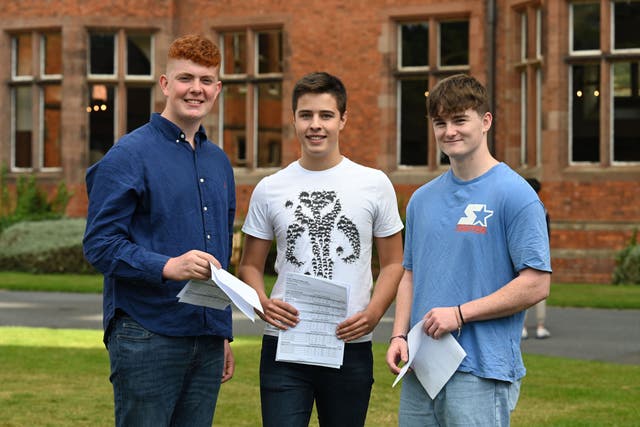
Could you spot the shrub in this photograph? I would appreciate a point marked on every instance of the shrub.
(627, 269)
(31, 202)
(48, 246)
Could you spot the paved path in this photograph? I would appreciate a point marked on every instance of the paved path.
(591, 334)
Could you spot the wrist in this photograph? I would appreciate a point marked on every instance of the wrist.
(400, 336)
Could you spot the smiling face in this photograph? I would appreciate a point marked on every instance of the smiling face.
(318, 123)
(462, 135)
(191, 90)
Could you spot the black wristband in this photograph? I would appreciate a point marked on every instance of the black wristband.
(460, 312)
(404, 337)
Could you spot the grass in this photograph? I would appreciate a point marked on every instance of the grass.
(563, 295)
(57, 377)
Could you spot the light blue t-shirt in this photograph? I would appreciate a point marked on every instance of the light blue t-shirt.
(467, 239)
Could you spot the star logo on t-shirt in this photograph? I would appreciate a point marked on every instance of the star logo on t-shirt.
(475, 219)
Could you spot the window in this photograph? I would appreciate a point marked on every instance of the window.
(613, 64)
(126, 88)
(417, 70)
(251, 100)
(529, 45)
(36, 87)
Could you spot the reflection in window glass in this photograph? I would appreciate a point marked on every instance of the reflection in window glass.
(138, 55)
(454, 43)
(586, 26)
(235, 115)
(585, 113)
(101, 121)
(414, 50)
(23, 65)
(234, 47)
(102, 54)
(138, 107)
(52, 47)
(269, 123)
(23, 127)
(413, 122)
(626, 111)
(51, 118)
(626, 22)
(270, 52)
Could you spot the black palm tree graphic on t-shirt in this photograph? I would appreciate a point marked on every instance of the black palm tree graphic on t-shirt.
(319, 214)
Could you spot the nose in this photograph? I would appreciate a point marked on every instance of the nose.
(450, 129)
(315, 122)
(195, 86)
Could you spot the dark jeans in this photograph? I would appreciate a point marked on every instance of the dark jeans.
(288, 390)
(163, 381)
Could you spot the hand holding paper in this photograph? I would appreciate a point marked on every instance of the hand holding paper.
(222, 289)
(433, 361)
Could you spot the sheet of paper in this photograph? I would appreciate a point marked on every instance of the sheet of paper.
(322, 305)
(433, 361)
(204, 294)
(221, 290)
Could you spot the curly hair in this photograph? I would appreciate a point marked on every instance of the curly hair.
(196, 48)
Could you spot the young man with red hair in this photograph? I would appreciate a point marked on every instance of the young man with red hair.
(161, 208)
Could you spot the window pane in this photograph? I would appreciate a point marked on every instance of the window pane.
(415, 45)
(139, 55)
(413, 122)
(234, 139)
(102, 54)
(235, 53)
(138, 107)
(23, 65)
(23, 127)
(52, 106)
(523, 36)
(586, 113)
(627, 22)
(101, 121)
(586, 26)
(270, 52)
(52, 53)
(269, 124)
(626, 111)
(454, 43)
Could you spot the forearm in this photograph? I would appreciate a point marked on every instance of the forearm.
(385, 289)
(530, 287)
(404, 297)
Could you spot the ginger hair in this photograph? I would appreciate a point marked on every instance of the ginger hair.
(196, 48)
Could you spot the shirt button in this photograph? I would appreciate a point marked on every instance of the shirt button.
(177, 141)
(201, 179)
(182, 135)
(205, 208)
(208, 236)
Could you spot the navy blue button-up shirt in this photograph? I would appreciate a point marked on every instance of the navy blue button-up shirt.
(152, 197)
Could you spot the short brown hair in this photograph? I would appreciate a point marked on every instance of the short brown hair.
(455, 94)
(196, 48)
(320, 82)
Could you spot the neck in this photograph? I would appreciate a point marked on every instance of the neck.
(468, 168)
(319, 164)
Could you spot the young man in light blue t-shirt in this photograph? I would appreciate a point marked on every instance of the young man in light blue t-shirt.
(476, 256)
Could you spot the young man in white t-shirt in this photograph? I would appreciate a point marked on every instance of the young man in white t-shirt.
(326, 213)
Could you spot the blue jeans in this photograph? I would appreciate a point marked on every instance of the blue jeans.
(163, 381)
(466, 400)
(287, 390)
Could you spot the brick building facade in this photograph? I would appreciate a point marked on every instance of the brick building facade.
(563, 76)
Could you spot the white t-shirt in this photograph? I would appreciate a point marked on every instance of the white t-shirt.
(324, 223)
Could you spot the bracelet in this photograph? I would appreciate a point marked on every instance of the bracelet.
(458, 322)
(460, 312)
(404, 337)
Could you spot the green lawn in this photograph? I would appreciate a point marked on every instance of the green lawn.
(53, 377)
(566, 295)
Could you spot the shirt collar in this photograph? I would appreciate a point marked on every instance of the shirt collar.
(172, 132)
